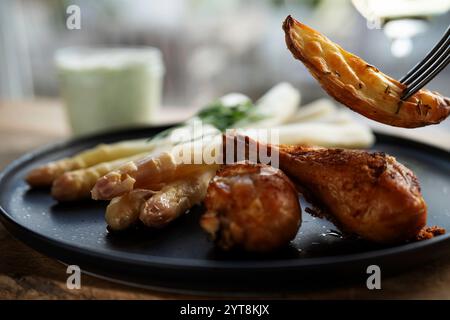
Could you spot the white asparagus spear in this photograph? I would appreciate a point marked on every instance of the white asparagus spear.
(314, 111)
(46, 174)
(338, 135)
(275, 107)
(346, 135)
(340, 116)
(148, 173)
(123, 211)
(176, 198)
(77, 184)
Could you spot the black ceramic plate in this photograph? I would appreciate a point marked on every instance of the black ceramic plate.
(181, 258)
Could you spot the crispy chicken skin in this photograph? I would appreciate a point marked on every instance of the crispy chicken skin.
(367, 194)
(360, 86)
(254, 207)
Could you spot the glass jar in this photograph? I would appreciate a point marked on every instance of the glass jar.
(106, 88)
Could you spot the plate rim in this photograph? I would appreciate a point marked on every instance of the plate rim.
(23, 233)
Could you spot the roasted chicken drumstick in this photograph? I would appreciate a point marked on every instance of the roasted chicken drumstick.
(254, 207)
(359, 85)
(367, 194)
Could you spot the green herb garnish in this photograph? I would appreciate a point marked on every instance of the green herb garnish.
(224, 117)
(221, 116)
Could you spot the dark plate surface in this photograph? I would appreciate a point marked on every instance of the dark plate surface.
(181, 258)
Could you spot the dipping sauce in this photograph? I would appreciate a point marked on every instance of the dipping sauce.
(107, 88)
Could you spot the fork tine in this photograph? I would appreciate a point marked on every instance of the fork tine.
(436, 61)
(425, 63)
(428, 75)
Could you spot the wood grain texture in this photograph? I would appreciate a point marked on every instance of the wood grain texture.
(27, 274)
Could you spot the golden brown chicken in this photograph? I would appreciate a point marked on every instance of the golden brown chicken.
(359, 85)
(254, 207)
(367, 194)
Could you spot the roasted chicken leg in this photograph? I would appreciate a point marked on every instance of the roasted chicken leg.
(367, 194)
(359, 85)
(254, 207)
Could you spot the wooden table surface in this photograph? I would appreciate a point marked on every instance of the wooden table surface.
(27, 274)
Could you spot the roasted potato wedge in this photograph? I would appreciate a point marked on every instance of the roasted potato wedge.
(359, 85)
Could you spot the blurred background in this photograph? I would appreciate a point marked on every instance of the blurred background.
(212, 47)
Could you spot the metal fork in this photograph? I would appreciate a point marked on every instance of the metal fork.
(433, 63)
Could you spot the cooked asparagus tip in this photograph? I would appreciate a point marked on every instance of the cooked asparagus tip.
(44, 175)
(175, 199)
(77, 184)
(123, 211)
